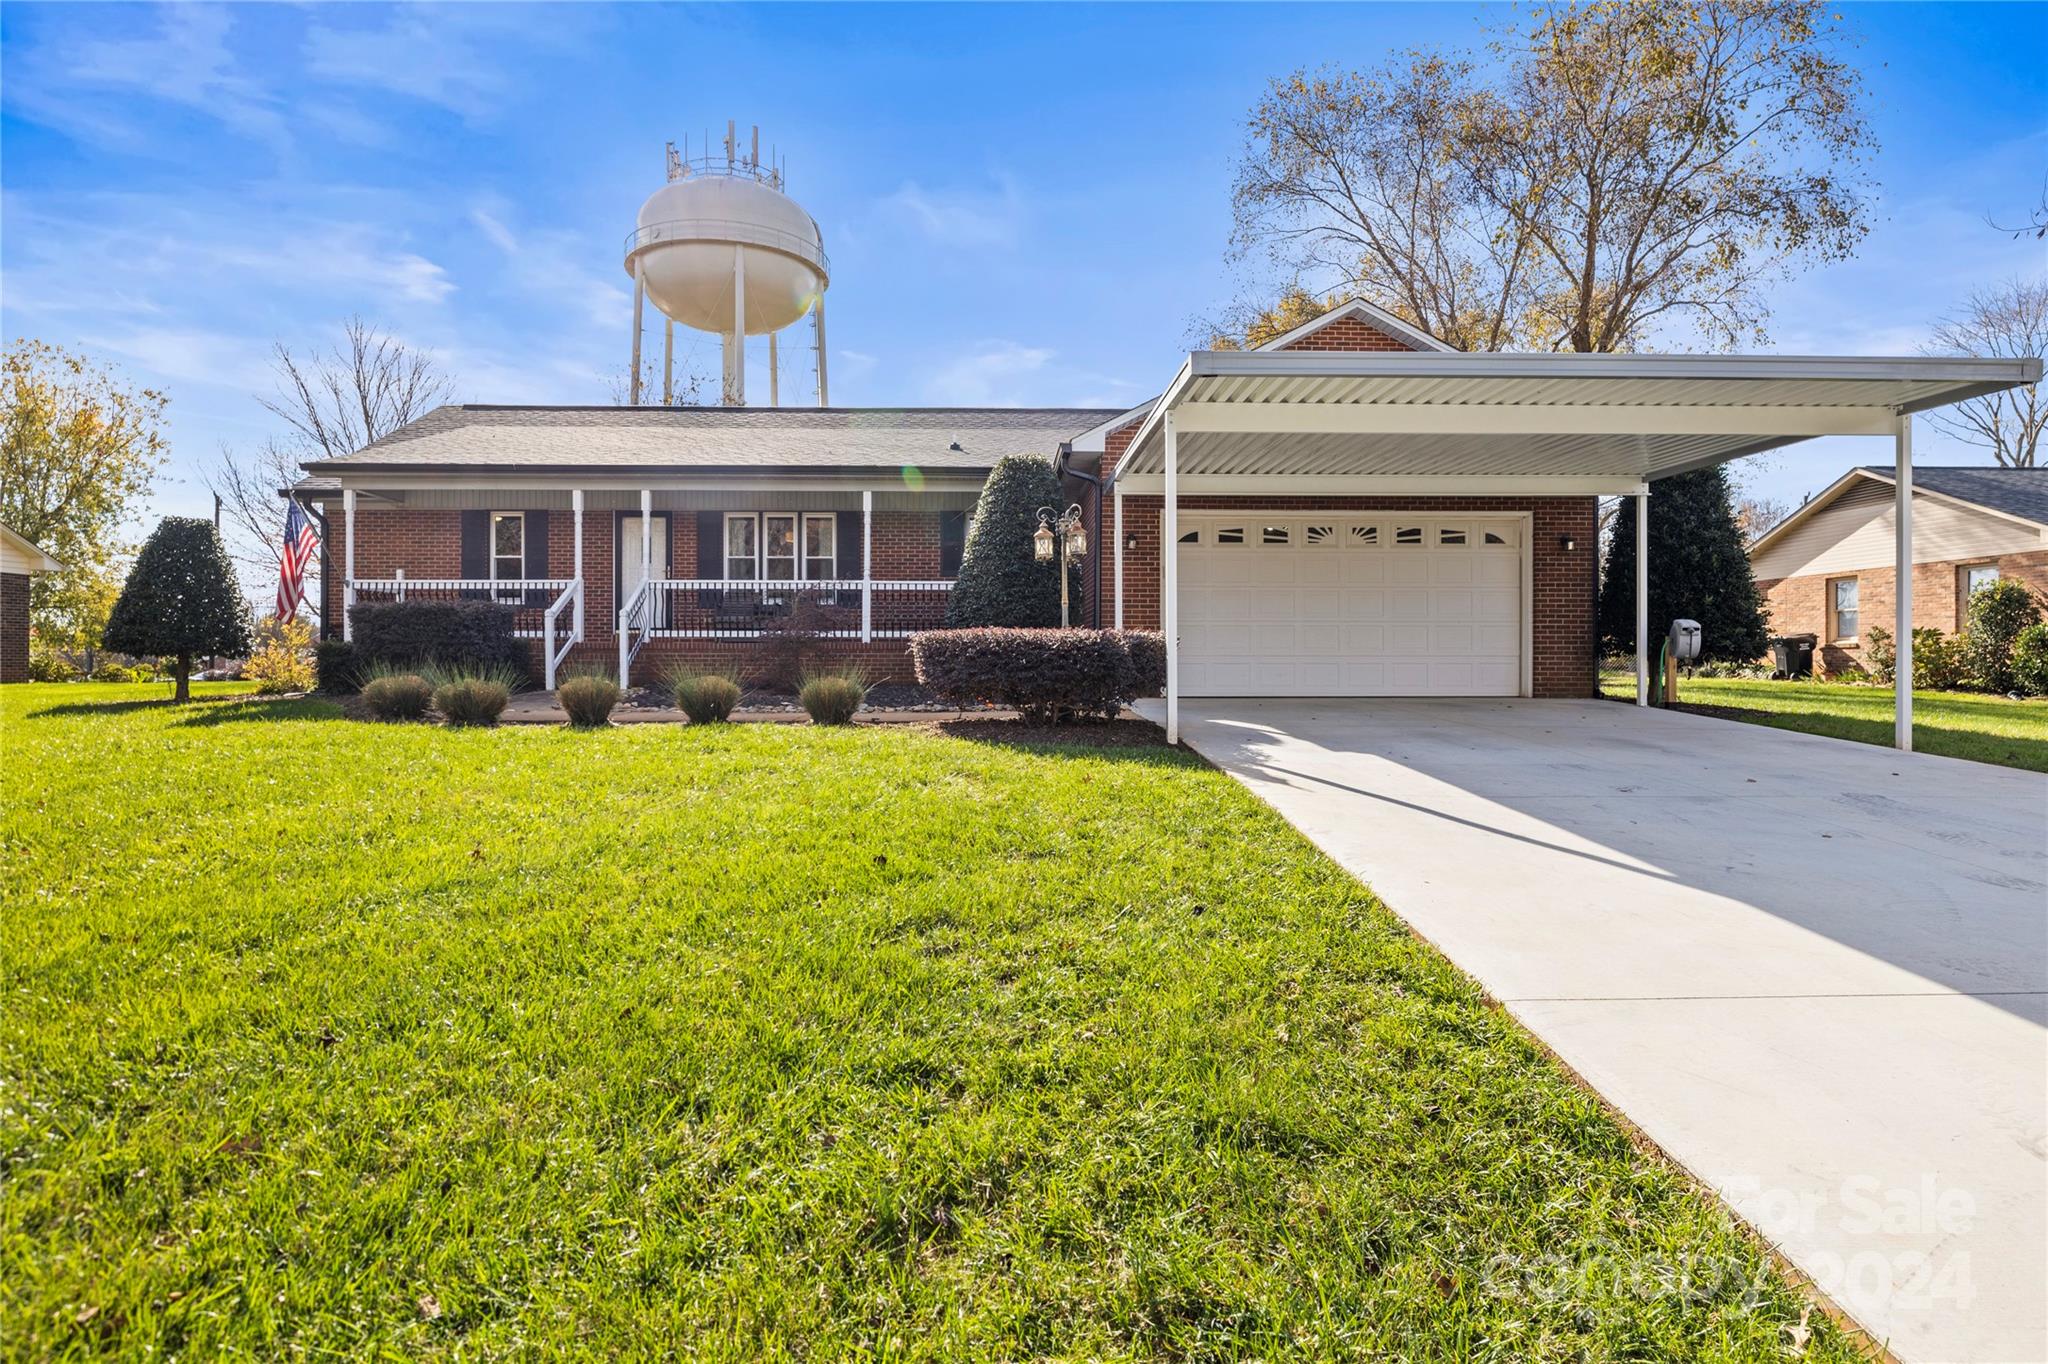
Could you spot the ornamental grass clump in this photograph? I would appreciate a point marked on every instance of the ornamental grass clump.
(472, 696)
(706, 698)
(398, 696)
(588, 699)
(832, 698)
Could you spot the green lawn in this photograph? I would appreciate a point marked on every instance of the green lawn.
(1986, 729)
(332, 1039)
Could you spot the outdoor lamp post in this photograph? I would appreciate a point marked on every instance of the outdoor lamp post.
(1060, 535)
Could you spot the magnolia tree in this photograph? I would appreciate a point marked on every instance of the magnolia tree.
(1000, 582)
(181, 600)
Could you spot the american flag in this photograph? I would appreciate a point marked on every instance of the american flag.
(299, 543)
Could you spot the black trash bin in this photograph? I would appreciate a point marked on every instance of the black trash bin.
(1792, 655)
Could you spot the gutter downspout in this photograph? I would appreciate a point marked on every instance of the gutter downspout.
(1061, 469)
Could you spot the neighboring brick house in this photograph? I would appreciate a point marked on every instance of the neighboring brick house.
(1828, 569)
(18, 559)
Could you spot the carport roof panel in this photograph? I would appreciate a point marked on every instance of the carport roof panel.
(1631, 416)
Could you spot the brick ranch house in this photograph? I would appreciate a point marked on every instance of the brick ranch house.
(18, 559)
(1359, 510)
(1826, 569)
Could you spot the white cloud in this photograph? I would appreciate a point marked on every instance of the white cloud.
(992, 374)
(553, 265)
(186, 62)
(960, 217)
(445, 55)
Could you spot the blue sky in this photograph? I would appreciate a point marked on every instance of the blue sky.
(1023, 204)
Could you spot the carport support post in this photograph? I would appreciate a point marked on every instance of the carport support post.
(1902, 587)
(1118, 493)
(1642, 599)
(1169, 602)
(348, 562)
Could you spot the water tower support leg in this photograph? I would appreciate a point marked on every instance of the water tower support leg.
(736, 339)
(774, 374)
(818, 321)
(668, 363)
(639, 300)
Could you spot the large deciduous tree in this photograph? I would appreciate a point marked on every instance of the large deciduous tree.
(1699, 570)
(332, 402)
(181, 600)
(1611, 169)
(81, 450)
(2009, 321)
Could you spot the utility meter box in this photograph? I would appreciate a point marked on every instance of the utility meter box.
(1685, 641)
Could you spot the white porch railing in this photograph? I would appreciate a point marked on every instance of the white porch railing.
(551, 655)
(757, 608)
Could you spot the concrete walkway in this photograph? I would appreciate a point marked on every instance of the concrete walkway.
(1814, 972)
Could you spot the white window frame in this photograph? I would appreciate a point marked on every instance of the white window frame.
(725, 554)
(491, 560)
(1834, 621)
(803, 547)
(1965, 572)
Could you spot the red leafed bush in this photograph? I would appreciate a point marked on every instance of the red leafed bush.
(1041, 674)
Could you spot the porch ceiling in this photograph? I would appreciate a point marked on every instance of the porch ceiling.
(1598, 421)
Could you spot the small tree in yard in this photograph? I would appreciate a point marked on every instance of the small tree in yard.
(181, 600)
(1000, 582)
(1698, 571)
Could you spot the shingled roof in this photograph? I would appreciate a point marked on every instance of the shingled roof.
(473, 436)
(2016, 492)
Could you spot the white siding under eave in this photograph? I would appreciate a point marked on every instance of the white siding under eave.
(1854, 533)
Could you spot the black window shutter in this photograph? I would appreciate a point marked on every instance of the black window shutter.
(710, 555)
(848, 545)
(952, 542)
(537, 557)
(476, 548)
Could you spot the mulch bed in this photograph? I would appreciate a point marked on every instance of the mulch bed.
(1125, 732)
(881, 696)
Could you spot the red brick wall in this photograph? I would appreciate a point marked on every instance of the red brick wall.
(13, 627)
(1799, 606)
(1349, 334)
(1561, 596)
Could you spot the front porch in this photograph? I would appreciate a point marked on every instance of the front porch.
(684, 571)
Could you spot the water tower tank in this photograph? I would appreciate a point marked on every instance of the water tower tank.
(720, 248)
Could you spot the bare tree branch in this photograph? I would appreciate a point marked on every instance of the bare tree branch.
(2007, 321)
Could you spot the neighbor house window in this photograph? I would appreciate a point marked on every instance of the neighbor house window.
(742, 546)
(1842, 601)
(1972, 579)
(508, 549)
(821, 546)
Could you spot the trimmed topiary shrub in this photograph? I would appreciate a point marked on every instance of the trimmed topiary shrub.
(2030, 660)
(1998, 613)
(588, 699)
(398, 696)
(337, 669)
(181, 600)
(706, 698)
(1000, 583)
(462, 636)
(832, 698)
(1044, 675)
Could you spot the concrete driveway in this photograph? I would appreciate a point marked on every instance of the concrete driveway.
(1814, 972)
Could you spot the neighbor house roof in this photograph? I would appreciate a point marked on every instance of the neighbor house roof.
(22, 555)
(2016, 494)
(814, 439)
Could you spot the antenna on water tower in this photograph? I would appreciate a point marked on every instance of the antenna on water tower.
(720, 248)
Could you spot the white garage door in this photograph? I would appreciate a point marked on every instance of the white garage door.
(1350, 605)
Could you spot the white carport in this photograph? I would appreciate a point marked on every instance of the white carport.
(1282, 423)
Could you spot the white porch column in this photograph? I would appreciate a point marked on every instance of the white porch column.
(867, 565)
(1902, 586)
(1642, 599)
(639, 303)
(348, 562)
(646, 536)
(1169, 596)
(576, 503)
(1117, 491)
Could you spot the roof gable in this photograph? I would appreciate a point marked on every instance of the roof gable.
(1355, 326)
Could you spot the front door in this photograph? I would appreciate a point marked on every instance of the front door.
(629, 574)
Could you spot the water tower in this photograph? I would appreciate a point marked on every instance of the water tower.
(721, 248)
